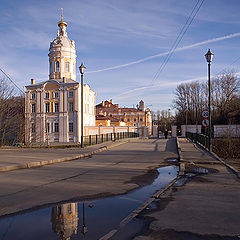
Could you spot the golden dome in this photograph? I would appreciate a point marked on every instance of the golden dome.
(62, 22)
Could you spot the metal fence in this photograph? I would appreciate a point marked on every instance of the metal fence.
(199, 138)
(95, 139)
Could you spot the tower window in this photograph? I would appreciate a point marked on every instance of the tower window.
(70, 94)
(50, 67)
(47, 107)
(57, 66)
(56, 94)
(33, 108)
(56, 107)
(47, 95)
(33, 96)
(66, 66)
(70, 107)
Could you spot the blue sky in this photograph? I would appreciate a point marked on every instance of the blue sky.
(110, 33)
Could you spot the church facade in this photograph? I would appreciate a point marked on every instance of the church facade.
(53, 107)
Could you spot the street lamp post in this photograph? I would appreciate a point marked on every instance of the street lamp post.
(209, 57)
(82, 69)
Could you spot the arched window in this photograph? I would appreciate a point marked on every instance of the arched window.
(66, 66)
(50, 67)
(57, 66)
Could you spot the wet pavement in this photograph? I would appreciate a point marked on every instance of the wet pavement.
(202, 205)
(112, 172)
(88, 220)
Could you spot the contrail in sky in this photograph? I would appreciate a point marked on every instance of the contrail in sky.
(165, 53)
(162, 84)
(159, 84)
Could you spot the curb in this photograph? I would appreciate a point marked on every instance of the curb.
(179, 150)
(59, 160)
(235, 171)
(182, 164)
(136, 212)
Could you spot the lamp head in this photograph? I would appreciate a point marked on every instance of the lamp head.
(209, 56)
(82, 68)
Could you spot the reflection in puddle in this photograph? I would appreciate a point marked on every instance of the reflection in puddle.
(90, 220)
(65, 220)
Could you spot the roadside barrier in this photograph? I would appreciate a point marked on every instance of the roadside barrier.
(199, 138)
(96, 139)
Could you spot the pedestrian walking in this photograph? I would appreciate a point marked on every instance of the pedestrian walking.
(166, 133)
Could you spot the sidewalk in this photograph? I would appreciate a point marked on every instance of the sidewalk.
(20, 158)
(206, 206)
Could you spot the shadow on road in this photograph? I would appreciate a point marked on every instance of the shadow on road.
(171, 146)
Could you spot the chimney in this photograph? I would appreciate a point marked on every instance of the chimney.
(110, 100)
(32, 81)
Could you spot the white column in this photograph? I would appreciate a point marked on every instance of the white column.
(65, 109)
(174, 131)
(183, 130)
(155, 131)
(61, 115)
(43, 118)
(75, 115)
(62, 68)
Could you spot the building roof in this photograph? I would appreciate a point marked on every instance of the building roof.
(112, 119)
(58, 81)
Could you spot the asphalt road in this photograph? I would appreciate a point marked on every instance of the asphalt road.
(108, 173)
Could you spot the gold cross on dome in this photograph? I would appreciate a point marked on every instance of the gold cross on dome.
(61, 14)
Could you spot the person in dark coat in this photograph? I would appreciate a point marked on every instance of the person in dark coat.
(166, 133)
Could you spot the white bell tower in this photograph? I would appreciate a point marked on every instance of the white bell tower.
(62, 54)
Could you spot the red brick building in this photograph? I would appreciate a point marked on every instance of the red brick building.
(138, 117)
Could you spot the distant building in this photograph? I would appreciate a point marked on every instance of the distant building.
(109, 114)
(53, 107)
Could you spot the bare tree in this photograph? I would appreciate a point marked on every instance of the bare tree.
(11, 115)
(192, 98)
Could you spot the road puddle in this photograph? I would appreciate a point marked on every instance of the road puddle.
(172, 160)
(81, 220)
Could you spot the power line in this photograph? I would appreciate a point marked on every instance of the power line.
(9, 78)
(179, 37)
(234, 61)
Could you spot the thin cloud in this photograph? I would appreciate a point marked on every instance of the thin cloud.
(165, 53)
(162, 84)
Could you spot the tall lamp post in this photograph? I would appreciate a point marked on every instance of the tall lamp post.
(209, 57)
(82, 69)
